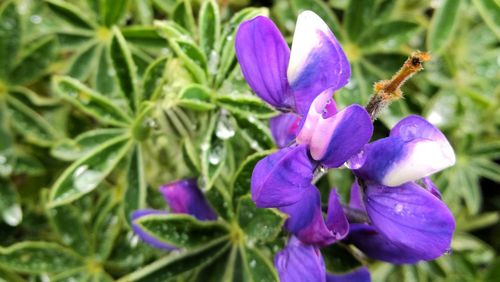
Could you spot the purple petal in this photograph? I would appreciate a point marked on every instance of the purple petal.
(322, 107)
(411, 216)
(280, 178)
(184, 196)
(263, 56)
(284, 128)
(298, 262)
(338, 138)
(429, 185)
(305, 219)
(317, 61)
(356, 200)
(377, 246)
(146, 237)
(360, 274)
(336, 221)
(415, 149)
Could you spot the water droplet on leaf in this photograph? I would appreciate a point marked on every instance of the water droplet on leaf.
(13, 215)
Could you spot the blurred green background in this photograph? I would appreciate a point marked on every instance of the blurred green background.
(41, 40)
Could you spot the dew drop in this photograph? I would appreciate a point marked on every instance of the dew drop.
(86, 179)
(253, 263)
(398, 208)
(13, 215)
(224, 128)
(36, 19)
(214, 157)
(213, 61)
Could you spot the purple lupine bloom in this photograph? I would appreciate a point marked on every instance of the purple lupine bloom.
(290, 81)
(182, 196)
(408, 222)
(299, 262)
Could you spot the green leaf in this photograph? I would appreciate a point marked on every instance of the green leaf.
(467, 182)
(176, 264)
(181, 230)
(258, 267)
(486, 168)
(6, 139)
(10, 37)
(153, 79)
(226, 51)
(26, 164)
(89, 101)
(241, 181)
(106, 229)
(70, 13)
(192, 57)
(322, 10)
(183, 15)
(71, 150)
(442, 26)
(196, 97)
(84, 62)
(9, 201)
(245, 105)
(144, 11)
(30, 124)
(67, 221)
(209, 27)
(213, 155)
(258, 224)
(73, 39)
(256, 132)
(143, 36)
(135, 190)
(358, 17)
(389, 34)
(38, 257)
(490, 12)
(112, 11)
(125, 68)
(104, 79)
(87, 173)
(34, 61)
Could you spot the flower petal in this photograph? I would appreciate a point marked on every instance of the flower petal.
(411, 216)
(317, 61)
(184, 196)
(143, 234)
(336, 220)
(298, 262)
(339, 137)
(284, 128)
(377, 246)
(263, 56)
(360, 274)
(414, 149)
(429, 185)
(356, 200)
(305, 219)
(322, 107)
(280, 178)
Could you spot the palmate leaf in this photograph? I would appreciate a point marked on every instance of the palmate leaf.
(126, 71)
(10, 37)
(257, 267)
(70, 13)
(68, 224)
(245, 105)
(154, 79)
(196, 97)
(84, 61)
(89, 101)
(111, 11)
(490, 11)
(258, 224)
(30, 124)
(358, 16)
(86, 174)
(176, 264)
(135, 190)
(213, 155)
(181, 230)
(106, 229)
(183, 15)
(34, 61)
(209, 27)
(39, 257)
(73, 149)
(242, 177)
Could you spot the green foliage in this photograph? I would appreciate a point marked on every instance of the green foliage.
(103, 101)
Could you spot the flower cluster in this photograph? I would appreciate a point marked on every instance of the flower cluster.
(403, 219)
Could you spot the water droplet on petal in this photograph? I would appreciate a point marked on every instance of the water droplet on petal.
(398, 208)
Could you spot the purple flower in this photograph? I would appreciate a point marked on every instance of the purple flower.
(408, 222)
(182, 196)
(290, 81)
(299, 262)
